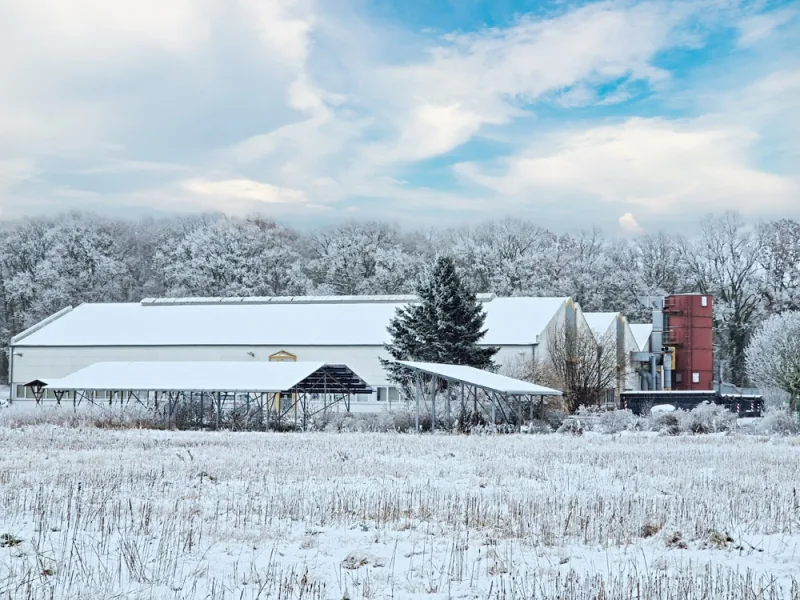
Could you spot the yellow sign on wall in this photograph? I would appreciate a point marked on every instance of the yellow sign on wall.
(282, 356)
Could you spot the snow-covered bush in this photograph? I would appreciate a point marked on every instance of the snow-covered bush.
(399, 421)
(616, 421)
(571, 426)
(537, 428)
(777, 422)
(403, 421)
(666, 422)
(555, 418)
(131, 416)
(707, 418)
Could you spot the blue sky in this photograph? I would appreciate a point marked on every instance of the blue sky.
(632, 116)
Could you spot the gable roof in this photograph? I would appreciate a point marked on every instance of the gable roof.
(601, 322)
(641, 333)
(509, 321)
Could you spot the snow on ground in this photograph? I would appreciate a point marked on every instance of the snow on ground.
(90, 513)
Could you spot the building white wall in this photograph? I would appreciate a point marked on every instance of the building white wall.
(632, 380)
(554, 327)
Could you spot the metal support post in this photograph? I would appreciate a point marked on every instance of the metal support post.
(417, 393)
(433, 404)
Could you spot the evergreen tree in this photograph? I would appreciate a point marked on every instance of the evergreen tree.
(446, 326)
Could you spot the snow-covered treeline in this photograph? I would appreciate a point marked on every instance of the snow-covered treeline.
(49, 263)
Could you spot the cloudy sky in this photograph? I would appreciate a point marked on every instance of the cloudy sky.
(626, 115)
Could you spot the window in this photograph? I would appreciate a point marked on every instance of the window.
(20, 391)
(695, 377)
(387, 393)
(704, 301)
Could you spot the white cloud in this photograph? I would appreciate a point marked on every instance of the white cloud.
(629, 224)
(244, 189)
(432, 131)
(463, 83)
(329, 107)
(15, 170)
(486, 78)
(84, 27)
(283, 26)
(758, 27)
(656, 165)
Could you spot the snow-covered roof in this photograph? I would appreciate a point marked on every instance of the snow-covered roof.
(189, 376)
(510, 321)
(481, 379)
(601, 322)
(641, 333)
(372, 299)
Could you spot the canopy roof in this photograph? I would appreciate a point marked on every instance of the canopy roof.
(259, 377)
(481, 379)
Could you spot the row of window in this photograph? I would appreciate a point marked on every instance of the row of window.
(384, 394)
(24, 392)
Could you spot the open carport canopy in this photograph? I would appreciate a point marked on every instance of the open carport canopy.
(240, 377)
(481, 379)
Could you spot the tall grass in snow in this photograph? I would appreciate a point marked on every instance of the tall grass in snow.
(100, 513)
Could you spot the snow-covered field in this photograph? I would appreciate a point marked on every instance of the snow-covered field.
(98, 513)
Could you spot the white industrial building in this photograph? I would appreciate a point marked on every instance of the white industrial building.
(611, 329)
(342, 330)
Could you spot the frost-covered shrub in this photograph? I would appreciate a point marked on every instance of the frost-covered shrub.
(777, 422)
(666, 422)
(707, 418)
(571, 426)
(400, 421)
(88, 415)
(555, 418)
(331, 423)
(537, 428)
(774, 398)
(403, 421)
(616, 421)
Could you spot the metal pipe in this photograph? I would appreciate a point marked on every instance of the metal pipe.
(668, 371)
(653, 373)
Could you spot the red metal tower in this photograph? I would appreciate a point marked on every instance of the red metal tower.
(689, 329)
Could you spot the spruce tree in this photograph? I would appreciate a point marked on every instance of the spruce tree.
(446, 326)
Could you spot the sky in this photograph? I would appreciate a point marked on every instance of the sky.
(629, 116)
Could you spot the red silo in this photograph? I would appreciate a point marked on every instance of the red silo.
(689, 329)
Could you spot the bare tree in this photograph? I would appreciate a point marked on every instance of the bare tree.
(580, 365)
(724, 263)
(779, 260)
(773, 356)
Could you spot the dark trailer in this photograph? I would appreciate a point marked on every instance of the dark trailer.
(640, 403)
